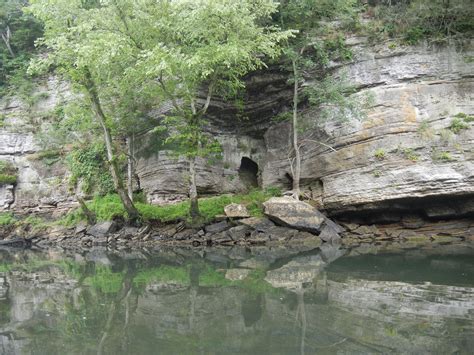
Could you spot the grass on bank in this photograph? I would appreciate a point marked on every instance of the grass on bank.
(7, 219)
(108, 207)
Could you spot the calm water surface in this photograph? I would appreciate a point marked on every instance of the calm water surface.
(328, 300)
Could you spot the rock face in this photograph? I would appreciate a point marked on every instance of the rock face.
(40, 183)
(421, 163)
(403, 156)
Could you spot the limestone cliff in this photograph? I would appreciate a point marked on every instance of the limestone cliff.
(405, 156)
(40, 183)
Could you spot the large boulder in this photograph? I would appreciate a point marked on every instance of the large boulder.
(289, 212)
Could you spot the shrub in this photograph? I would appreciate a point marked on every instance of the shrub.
(88, 165)
(8, 173)
(7, 179)
(466, 118)
(443, 156)
(409, 154)
(380, 154)
(457, 125)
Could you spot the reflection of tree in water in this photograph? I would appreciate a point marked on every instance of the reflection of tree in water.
(252, 308)
(301, 318)
(188, 306)
(122, 296)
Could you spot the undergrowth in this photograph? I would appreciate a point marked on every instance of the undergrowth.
(109, 207)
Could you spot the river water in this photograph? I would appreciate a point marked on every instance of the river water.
(329, 300)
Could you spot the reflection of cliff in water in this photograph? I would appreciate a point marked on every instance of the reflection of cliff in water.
(182, 303)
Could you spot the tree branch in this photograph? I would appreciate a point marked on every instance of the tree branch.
(318, 142)
(167, 93)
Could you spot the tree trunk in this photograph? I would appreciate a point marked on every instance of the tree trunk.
(130, 166)
(6, 38)
(193, 195)
(302, 314)
(297, 167)
(90, 216)
(132, 212)
(113, 308)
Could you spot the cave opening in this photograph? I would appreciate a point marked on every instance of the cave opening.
(289, 181)
(248, 172)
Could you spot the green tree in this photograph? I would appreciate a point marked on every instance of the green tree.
(18, 32)
(93, 43)
(308, 54)
(205, 49)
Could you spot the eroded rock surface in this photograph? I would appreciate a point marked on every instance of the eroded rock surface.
(421, 163)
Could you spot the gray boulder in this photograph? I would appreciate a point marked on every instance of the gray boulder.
(217, 227)
(329, 234)
(235, 210)
(289, 212)
(101, 229)
(260, 224)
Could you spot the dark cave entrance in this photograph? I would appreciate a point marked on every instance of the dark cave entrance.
(289, 181)
(248, 172)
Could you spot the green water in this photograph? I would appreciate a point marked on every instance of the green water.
(238, 301)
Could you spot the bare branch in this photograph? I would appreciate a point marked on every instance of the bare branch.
(317, 142)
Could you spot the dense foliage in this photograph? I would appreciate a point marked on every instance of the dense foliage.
(415, 20)
(88, 168)
(18, 33)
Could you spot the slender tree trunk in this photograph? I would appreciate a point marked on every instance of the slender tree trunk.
(90, 216)
(132, 212)
(297, 166)
(130, 166)
(193, 195)
(6, 38)
(196, 124)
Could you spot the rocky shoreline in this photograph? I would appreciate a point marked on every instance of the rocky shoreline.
(287, 223)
